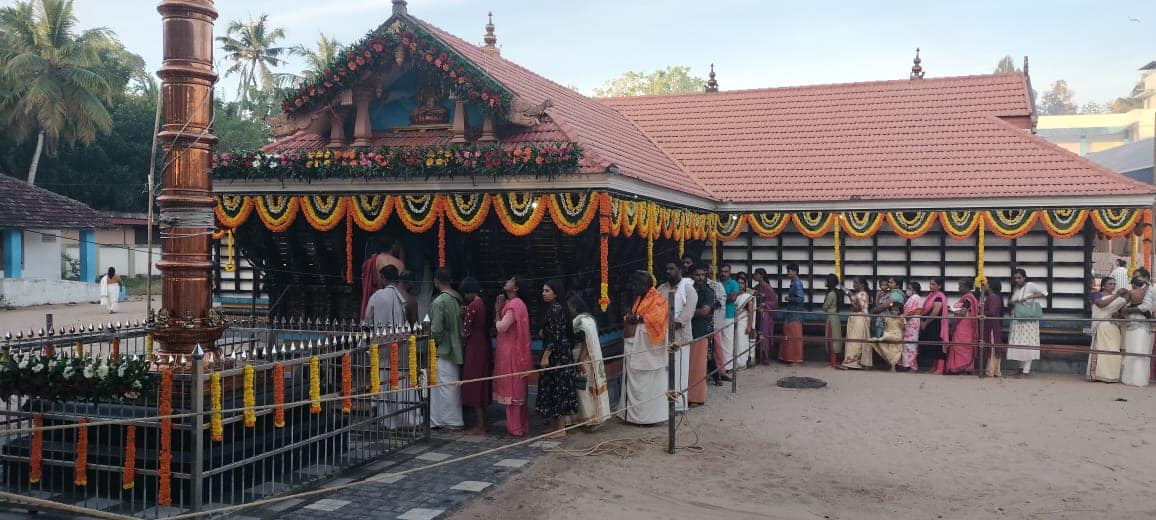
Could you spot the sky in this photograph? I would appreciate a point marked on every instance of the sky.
(1096, 47)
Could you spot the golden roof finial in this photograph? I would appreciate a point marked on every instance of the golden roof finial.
(917, 69)
(711, 84)
(491, 46)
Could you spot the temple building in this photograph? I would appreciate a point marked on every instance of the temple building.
(461, 158)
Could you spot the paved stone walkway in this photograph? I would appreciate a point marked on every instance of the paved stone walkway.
(423, 495)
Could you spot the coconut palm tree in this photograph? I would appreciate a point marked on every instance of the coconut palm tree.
(252, 47)
(52, 86)
(318, 58)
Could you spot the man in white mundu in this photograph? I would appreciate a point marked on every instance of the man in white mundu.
(644, 370)
(685, 302)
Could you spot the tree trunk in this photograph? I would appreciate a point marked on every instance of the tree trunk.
(36, 158)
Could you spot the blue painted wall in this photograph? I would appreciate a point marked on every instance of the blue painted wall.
(88, 255)
(13, 252)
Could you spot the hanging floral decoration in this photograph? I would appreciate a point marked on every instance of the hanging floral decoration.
(79, 349)
(433, 362)
(393, 368)
(615, 215)
(36, 449)
(314, 385)
(230, 263)
(604, 208)
(442, 240)
(371, 212)
(911, 224)
(668, 222)
(839, 249)
(418, 213)
(128, 474)
(1115, 222)
(323, 212)
(349, 250)
(467, 212)
(1063, 223)
(631, 216)
(277, 212)
(519, 213)
(250, 399)
(278, 395)
(374, 368)
(412, 358)
(544, 160)
(82, 453)
(64, 377)
(714, 257)
(165, 462)
(1010, 223)
(861, 224)
(650, 255)
(813, 224)
(980, 277)
(233, 210)
(346, 383)
(959, 224)
(681, 249)
(730, 226)
(572, 212)
(149, 345)
(216, 426)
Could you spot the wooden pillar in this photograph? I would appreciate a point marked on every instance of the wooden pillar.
(362, 126)
(460, 123)
(487, 130)
(336, 129)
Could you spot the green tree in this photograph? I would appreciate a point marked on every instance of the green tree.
(235, 131)
(252, 47)
(1132, 102)
(54, 86)
(1092, 107)
(1057, 100)
(671, 80)
(1006, 64)
(319, 57)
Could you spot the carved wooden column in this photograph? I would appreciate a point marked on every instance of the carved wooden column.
(488, 130)
(185, 201)
(362, 126)
(336, 129)
(459, 123)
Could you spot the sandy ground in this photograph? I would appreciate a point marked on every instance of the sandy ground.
(870, 445)
(25, 318)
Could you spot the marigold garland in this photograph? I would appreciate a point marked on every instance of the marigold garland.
(149, 345)
(714, 257)
(412, 358)
(250, 399)
(323, 212)
(813, 224)
(393, 368)
(414, 221)
(604, 250)
(82, 453)
(768, 225)
(115, 348)
(374, 368)
(230, 263)
(79, 349)
(839, 250)
(370, 212)
(1005, 225)
(1115, 222)
(457, 208)
(980, 277)
(1063, 223)
(216, 425)
(129, 474)
(441, 240)
(433, 362)
(346, 383)
(681, 249)
(233, 210)
(277, 221)
(507, 208)
(165, 462)
(959, 224)
(314, 385)
(914, 227)
(348, 250)
(561, 210)
(36, 450)
(861, 224)
(278, 395)
(650, 255)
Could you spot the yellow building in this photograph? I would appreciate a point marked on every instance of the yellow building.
(1089, 133)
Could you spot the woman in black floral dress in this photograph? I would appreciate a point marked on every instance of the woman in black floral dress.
(557, 397)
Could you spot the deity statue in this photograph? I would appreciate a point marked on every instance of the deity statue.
(429, 110)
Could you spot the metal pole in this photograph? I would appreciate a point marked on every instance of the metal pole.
(735, 356)
(982, 365)
(670, 369)
(198, 393)
(152, 200)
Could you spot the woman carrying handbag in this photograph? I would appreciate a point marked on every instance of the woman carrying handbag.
(1025, 327)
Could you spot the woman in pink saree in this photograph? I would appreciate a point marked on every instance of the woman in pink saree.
(933, 328)
(768, 301)
(911, 311)
(511, 357)
(961, 352)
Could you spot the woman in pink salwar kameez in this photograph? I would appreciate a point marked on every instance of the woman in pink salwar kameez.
(512, 356)
(965, 332)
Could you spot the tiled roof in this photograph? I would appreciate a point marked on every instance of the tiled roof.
(930, 138)
(31, 207)
(609, 138)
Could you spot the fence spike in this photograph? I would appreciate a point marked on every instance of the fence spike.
(8, 335)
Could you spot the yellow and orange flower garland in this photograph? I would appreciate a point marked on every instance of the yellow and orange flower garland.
(216, 425)
(374, 370)
(230, 262)
(149, 345)
(839, 251)
(314, 385)
(323, 212)
(520, 213)
(128, 476)
(36, 450)
(346, 383)
(466, 212)
(348, 250)
(393, 368)
(278, 395)
(412, 360)
(980, 277)
(165, 462)
(442, 240)
(250, 399)
(82, 453)
(433, 362)
(79, 349)
(277, 212)
(604, 251)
